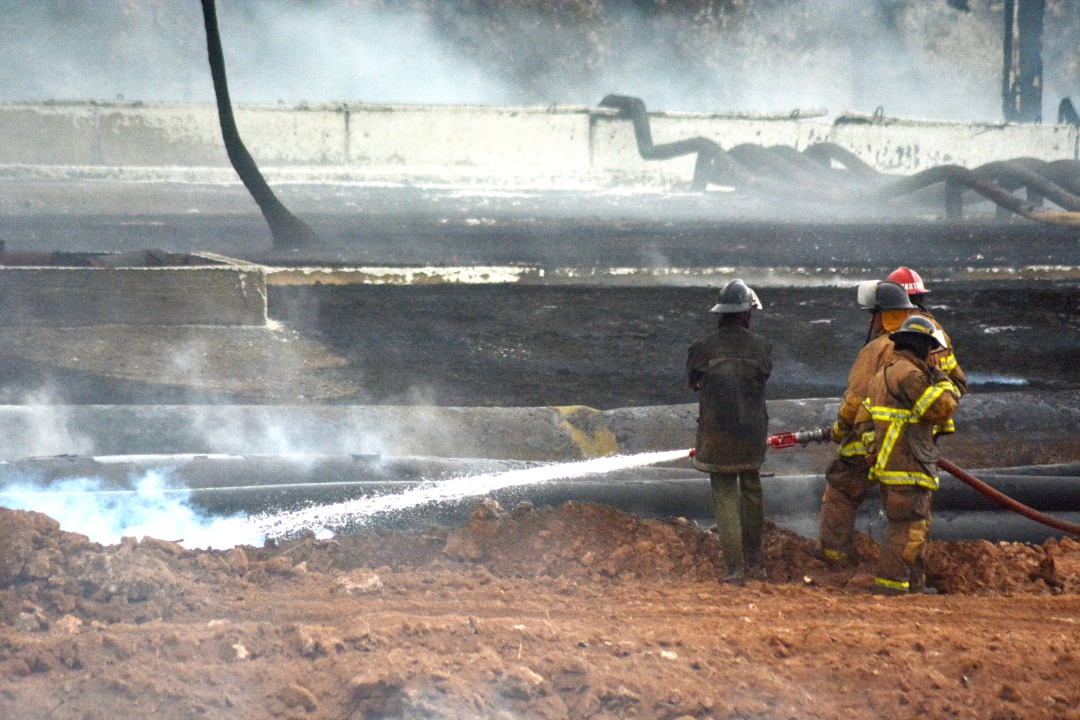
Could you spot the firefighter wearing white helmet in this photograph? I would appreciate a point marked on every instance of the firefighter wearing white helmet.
(847, 477)
(729, 368)
(943, 357)
(908, 399)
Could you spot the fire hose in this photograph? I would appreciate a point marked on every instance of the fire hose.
(1005, 501)
(785, 440)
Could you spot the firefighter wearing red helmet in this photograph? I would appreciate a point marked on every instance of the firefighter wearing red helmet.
(910, 280)
(943, 357)
(848, 478)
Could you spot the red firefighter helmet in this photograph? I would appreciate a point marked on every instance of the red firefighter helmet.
(909, 280)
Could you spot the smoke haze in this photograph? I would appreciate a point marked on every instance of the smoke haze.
(155, 508)
(910, 57)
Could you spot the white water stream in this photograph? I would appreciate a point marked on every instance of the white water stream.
(158, 508)
(358, 510)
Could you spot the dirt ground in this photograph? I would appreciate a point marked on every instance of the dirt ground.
(570, 612)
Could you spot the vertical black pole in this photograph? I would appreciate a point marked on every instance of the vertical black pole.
(1008, 65)
(1022, 70)
(1031, 67)
(287, 230)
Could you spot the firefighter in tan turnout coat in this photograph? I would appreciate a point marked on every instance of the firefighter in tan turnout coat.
(848, 478)
(908, 399)
(943, 357)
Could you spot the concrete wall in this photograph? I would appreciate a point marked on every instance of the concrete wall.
(993, 430)
(907, 148)
(78, 296)
(564, 141)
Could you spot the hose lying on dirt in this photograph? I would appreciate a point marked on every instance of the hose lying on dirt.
(1006, 501)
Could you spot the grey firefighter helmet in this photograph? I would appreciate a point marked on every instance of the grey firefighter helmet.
(735, 297)
(884, 295)
(917, 326)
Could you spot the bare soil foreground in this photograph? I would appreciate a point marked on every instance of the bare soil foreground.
(570, 612)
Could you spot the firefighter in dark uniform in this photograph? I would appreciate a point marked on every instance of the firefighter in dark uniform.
(908, 399)
(729, 369)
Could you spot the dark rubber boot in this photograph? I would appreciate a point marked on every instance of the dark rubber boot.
(735, 576)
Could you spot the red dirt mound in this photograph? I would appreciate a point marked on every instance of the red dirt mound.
(578, 611)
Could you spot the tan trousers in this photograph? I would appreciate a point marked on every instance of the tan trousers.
(908, 509)
(848, 484)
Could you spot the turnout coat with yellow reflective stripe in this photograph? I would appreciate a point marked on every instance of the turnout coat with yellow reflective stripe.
(906, 400)
(945, 358)
(852, 422)
(848, 429)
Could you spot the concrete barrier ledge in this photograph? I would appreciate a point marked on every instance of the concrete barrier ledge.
(994, 430)
(639, 277)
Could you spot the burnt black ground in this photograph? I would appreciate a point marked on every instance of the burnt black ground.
(562, 242)
(422, 225)
(532, 345)
(522, 346)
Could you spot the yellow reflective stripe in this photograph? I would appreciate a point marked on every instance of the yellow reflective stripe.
(905, 477)
(888, 414)
(928, 398)
(949, 386)
(946, 427)
(897, 419)
(836, 556)
(948, 362)
(896, 426)
(853, 449)
(894, 584)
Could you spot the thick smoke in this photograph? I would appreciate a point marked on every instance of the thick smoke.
(155, 507)
(910, 57)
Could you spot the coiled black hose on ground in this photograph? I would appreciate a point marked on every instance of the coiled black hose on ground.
(834, 174)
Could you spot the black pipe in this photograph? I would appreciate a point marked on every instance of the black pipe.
(287, 230)
(227, 485)
(709, 153)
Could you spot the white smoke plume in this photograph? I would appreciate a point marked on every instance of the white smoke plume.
(911, 57)
(36, 424)
(155, 506)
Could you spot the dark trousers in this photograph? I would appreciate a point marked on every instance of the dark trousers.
(740, 519)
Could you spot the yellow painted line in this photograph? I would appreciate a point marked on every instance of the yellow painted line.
(632, 276)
